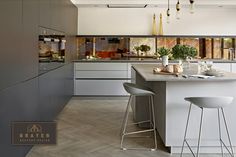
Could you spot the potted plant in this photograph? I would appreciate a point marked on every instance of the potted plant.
(183, 52)
(145, 49)
(164, 54)
(137, 49)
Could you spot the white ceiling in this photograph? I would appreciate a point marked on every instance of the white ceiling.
(153, 3)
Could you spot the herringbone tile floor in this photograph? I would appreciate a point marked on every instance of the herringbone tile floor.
(89, 127)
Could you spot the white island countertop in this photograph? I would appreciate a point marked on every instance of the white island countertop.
(146, 71)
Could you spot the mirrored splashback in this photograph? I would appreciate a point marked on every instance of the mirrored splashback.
(125, 47)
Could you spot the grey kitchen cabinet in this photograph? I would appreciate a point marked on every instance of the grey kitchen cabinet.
(74, 17)
(57, 15)
(48, 91)
(19, 50)
(45, 13)
(25, 95)
(18, 103)
(29, 52)
(71, 30)
(71, 11)
(55, 90)
(60, 15)
(100, 79)
(10, 42)
(69, 81)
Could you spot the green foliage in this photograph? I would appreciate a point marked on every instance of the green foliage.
(137, 48)
(163, 51)
(144, 48)
(183, 52)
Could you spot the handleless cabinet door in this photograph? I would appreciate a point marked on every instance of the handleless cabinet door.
(71, 12)
(58, 15)
(74, 19)
(45, 13)
(18, 103)
(29, 52)
(10, 42)
(233, 68)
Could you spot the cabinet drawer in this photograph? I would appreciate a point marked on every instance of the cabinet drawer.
(100, 87)
(101, 74)
(100, 66)
(233, 66)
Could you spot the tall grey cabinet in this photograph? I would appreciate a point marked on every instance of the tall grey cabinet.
(26, 94)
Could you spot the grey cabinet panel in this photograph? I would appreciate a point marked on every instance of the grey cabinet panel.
(29, 53)
(19, 50)
(18, 103)
(75, 19)
(71, 13)
(47, 111)
(10, 42)
(45, 13)
(69, 81)
(58, 15)
(55, 89)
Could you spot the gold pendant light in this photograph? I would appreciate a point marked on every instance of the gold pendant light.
(168, 12)
(191, 6)
(178, 10)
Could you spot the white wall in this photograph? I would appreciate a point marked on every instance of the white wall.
(104, 21)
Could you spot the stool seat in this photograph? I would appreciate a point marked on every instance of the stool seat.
(137, 90)
(210, 102)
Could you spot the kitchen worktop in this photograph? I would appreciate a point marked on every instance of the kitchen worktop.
(146, 71)
(145, 60)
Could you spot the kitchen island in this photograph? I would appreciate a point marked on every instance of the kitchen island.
(171, 109)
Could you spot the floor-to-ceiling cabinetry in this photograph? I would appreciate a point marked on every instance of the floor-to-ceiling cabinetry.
(26, 94)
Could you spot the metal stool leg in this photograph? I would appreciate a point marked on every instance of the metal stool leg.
(221, 146)
(226, 127)
(200, 131)
(125, 121)
(150, 111)
(154, 122)
(186, 128)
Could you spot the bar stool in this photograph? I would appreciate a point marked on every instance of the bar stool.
(214, 103)
(137, 90)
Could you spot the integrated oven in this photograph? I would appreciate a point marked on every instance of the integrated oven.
(52, 51)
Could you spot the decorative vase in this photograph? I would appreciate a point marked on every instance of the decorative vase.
(154, 26)
(160, 30)
(165, 60)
